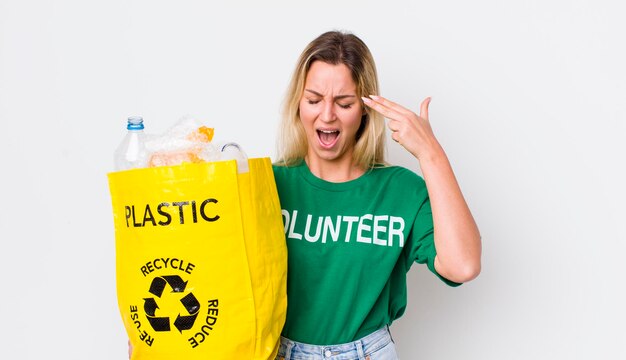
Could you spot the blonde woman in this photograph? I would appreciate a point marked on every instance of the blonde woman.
(354, 224)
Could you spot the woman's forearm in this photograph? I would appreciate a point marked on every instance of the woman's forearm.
(457, 238)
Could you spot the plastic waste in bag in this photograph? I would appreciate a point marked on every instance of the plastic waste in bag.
(187, 141)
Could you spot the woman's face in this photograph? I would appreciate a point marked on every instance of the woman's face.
(330, 111)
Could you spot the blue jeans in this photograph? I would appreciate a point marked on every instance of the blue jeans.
(375, 346)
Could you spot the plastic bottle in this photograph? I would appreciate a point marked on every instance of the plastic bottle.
(131, 153)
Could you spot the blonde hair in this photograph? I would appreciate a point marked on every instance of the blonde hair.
(334, 48)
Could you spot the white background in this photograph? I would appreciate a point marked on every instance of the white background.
(529, 101)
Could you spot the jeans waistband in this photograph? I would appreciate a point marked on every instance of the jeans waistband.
(366, 345)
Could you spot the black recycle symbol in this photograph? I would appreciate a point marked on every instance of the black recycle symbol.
(189, 302)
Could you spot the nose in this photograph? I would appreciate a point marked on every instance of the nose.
(328, 112)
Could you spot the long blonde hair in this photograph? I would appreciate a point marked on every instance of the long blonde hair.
(334, 47)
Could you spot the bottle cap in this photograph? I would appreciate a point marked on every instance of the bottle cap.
(135, 123)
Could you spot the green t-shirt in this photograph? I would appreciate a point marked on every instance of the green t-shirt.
(350, 246)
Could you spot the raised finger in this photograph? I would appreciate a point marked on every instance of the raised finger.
(424, 108)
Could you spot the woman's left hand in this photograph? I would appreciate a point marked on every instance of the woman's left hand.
(410, 130)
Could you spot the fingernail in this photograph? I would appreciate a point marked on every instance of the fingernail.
(375, 97)
(366, 100)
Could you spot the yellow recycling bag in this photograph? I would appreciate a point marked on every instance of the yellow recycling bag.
(201, 260)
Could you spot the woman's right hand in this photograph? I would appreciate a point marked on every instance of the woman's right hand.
(130, 349)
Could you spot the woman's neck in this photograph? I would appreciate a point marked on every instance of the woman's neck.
(337, 171)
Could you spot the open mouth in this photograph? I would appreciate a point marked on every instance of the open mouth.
(327, 138)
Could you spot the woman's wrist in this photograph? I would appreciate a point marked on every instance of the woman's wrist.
(433, 156)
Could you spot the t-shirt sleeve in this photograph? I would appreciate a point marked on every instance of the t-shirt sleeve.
(422, 241)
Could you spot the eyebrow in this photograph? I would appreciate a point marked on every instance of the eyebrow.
(338, 97)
